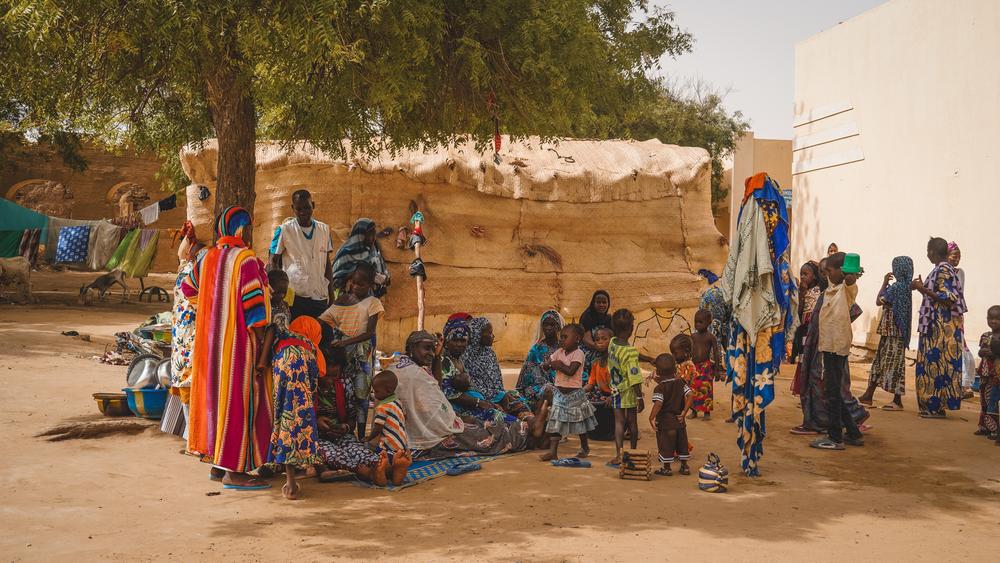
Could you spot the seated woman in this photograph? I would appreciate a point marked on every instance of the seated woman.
(481, 364)
(455, 381)
(537, 379)
(432, 427)
(336, 415)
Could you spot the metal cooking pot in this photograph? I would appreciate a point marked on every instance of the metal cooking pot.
(142, 372)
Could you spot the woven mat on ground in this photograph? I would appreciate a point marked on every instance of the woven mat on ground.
(422, 471)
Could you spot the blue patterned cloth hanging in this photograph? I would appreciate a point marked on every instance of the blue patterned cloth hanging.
(72, 245)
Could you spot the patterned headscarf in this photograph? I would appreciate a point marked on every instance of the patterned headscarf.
(355, 250)
(456, 327)
(418, 336)
(481, 362)
(230, 222)
(952, 247)
(550, 314)
(900, 296)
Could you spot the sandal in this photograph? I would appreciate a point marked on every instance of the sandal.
(463, 468)
(932, 415)
(291, 493)
(334, 476)
(892, 407)
(249, 485)
(685, 470)
(571, 462)
(802, 431)
(826, 444)
(664, 472)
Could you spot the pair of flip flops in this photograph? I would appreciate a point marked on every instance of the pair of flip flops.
(570, 462)
(461, 468)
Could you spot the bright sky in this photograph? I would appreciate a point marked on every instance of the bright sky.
(748, 48)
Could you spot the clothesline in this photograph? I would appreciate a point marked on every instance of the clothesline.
(94, 244)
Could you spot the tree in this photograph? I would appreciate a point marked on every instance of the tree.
(692, 116)
(157, 74)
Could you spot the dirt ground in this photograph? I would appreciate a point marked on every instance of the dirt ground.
(920, 490)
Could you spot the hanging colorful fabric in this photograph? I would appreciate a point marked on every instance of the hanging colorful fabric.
(140, 255)
(72, 246)
(120, 252)
(29, 244)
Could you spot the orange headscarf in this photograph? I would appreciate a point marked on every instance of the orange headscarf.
(311, 329)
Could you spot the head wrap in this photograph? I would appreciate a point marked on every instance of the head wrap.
(591, 319)
(952, 247)
(310, 328)
(354, 250)
(418, 336)
(900, 297)
(481, 362)
(550, 314)
(230, 222)
(714, 301)
(455, 328)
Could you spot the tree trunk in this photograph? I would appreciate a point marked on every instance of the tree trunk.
(235, 120)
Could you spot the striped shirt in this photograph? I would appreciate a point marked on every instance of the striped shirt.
(390, 415)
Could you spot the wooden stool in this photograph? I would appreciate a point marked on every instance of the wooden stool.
(635, 466)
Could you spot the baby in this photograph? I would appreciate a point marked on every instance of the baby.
(388, 433)
(462, 383)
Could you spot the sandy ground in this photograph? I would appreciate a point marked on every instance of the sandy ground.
(920, 490)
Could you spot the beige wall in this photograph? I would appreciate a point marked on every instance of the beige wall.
(753, 155)
(900, 105)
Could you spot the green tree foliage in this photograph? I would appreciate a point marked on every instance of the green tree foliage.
(156, 74)
(690, 116)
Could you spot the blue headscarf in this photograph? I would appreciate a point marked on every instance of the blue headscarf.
(900, 297)
(231, 221)
(455, 328)
(355, 250)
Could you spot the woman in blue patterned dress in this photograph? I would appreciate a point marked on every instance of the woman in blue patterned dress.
(940, 344)
(535, 382)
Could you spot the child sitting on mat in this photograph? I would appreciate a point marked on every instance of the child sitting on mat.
(672, 400)
(388, 434)
(571, 412)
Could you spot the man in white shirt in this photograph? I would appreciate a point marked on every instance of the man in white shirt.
(301, 246)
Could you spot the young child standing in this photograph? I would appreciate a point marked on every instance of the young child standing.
(989, 379)
(281, 313)
(835, 339)
(626, 381)
(672, 399)
(571, 412)
(354, 316)
(706, 358)
(388, 435)
(811, 285)
(681, 348)
(598, 387)
(889, 367)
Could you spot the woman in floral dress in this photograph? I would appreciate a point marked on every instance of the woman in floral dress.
(298, 364)
(941, 339)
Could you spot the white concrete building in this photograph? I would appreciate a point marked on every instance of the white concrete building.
(897, 112)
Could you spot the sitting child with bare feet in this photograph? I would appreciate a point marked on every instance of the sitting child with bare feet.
(388, 433)
(680, 348)
(672, 399)
(571, 412)
(707, 359)
(626, 382)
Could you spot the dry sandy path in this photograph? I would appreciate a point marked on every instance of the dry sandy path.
(920, 490)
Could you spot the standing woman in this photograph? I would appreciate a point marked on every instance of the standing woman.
(968, 360)
(536, 382)
(361, 246)
(231, 410)
(595, 317)
(941, 342)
